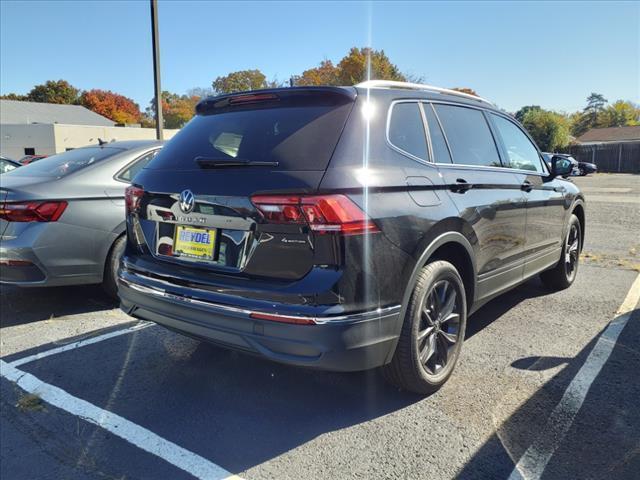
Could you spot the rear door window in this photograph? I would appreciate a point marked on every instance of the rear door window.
(469, 136)
(296, 137)
(521, 152)
(406, 130)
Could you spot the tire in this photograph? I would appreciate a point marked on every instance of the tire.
(430, 324)
(564, 273)
(109, 282)
(583, 173)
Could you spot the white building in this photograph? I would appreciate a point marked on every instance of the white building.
(29, 128)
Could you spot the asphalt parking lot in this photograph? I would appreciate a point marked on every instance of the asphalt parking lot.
(547, 382)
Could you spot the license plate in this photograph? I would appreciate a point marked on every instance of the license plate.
(194, 242)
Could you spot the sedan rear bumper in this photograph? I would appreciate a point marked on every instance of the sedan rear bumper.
(339, 342)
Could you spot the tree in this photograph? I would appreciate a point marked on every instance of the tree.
(367, 64)
(595, 105)
(52, 91)
(200, 92)
(324, 74)
(14, 96)
(550, 130)
(176, 110)
(116, 107)
(620, 114)
(468, 91)
(240, 81)
(588, 118)
(524, 110)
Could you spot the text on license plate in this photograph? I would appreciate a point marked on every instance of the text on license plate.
(195, 242)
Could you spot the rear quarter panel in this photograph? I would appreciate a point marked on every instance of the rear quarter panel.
(405, 197)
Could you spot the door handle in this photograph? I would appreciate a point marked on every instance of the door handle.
(461, 186)
(526, 186)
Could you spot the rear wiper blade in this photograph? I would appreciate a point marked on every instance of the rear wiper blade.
(207, 162)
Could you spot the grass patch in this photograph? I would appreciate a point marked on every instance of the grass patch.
(30, 403)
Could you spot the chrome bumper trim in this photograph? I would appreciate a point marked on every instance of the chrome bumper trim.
(378, 313)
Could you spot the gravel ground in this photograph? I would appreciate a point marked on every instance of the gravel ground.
(263, 420)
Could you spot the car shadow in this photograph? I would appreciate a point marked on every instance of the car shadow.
(231, 408)
(497, 307)
(603, 438)
(25, 305)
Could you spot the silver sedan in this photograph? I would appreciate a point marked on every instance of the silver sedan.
(62, 219)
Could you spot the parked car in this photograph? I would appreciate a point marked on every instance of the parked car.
(345, 228)
(574, 163)
(62, 218)
(27, 159)
(6, 164)
(585, 168)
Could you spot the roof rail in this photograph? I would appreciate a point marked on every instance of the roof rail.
(418, 86)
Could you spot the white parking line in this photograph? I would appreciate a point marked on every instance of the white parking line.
(80, 343)
(533, 462)
(145, 439)
(139, 436)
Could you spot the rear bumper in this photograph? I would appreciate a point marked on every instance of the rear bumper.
(335, 342)
(45, 255)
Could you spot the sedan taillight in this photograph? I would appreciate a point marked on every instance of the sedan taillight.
(323, 213)
(48, 211)
(132, 197)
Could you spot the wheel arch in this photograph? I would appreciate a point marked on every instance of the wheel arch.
(579, 211)
(107, 246)
(453, 247)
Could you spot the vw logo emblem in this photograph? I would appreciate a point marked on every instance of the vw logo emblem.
(187, 201)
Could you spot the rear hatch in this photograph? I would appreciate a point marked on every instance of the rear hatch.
(225, 195)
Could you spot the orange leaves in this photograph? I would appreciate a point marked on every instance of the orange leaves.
(114, 106)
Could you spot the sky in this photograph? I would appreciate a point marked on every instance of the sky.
(513, 53)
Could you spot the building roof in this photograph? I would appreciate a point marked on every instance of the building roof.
(611, 134)
(17, 112)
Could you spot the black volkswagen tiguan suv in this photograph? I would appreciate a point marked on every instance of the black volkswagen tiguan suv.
(345, 228)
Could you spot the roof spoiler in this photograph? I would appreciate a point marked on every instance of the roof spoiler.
(275, 96)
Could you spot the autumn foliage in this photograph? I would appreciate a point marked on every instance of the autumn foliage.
(114, 106)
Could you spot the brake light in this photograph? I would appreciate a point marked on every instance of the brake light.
(32, 211)
(323, 213)
(132, 197)
(252, 98)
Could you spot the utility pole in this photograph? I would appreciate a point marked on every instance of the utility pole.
(156, 69)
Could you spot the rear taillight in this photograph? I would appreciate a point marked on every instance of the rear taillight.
(32, 211)
(323, 213)
(132, 197)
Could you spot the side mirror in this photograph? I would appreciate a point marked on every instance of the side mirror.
(561, 166)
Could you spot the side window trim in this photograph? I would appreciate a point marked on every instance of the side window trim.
(427, 135)
(444, 134)
(118, 175)
(398, 149)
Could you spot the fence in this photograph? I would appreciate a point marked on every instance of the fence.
(613, 157)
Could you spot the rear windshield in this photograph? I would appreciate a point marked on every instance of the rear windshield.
(66, 163)
(297, 137)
